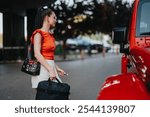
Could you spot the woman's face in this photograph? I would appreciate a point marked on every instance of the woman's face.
(52, 20)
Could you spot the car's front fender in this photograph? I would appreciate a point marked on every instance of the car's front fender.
(123, 87)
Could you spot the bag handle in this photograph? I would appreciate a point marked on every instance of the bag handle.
(56, 80)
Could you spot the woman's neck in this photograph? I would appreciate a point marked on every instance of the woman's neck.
(45, 28)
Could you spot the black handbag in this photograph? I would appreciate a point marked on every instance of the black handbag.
(50, 90)
(30, 65)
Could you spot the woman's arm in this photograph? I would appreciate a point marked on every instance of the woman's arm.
(39, 57)
(60, 71)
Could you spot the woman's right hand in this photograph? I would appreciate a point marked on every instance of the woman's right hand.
(52, 74)
(52, 78)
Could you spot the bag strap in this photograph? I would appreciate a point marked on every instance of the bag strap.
(31, 45)
(29, 54)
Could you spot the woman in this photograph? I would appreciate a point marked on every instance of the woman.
(44, 46)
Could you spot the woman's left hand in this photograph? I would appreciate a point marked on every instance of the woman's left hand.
(61, 72)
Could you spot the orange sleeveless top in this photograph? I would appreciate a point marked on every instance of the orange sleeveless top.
(47, 44)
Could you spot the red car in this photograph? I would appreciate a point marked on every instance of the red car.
(133, 83)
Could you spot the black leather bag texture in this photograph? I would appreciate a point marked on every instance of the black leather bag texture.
(50, 90)
(31, 67)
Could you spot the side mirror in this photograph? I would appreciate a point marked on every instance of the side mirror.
(119, 35)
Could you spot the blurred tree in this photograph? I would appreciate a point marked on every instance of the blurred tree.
(122, 13)
(88, 16)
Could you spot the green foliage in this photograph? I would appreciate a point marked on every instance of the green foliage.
(89, 17)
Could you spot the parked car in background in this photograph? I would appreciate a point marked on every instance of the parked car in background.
(71, 44)
(84, 42)
(90, 44)
(96, 45)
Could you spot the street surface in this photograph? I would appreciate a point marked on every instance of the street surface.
(85, 77)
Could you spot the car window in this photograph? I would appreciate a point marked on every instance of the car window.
(143, 19)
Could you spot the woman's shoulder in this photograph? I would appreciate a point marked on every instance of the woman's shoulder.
(39, 32)
(36, 33)
(42, 33)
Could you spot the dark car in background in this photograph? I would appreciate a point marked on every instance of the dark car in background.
(84, 43)
(71, 44)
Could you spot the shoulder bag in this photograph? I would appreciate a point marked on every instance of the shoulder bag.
(31, 66)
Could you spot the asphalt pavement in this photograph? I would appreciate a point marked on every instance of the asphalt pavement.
(85, 77)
